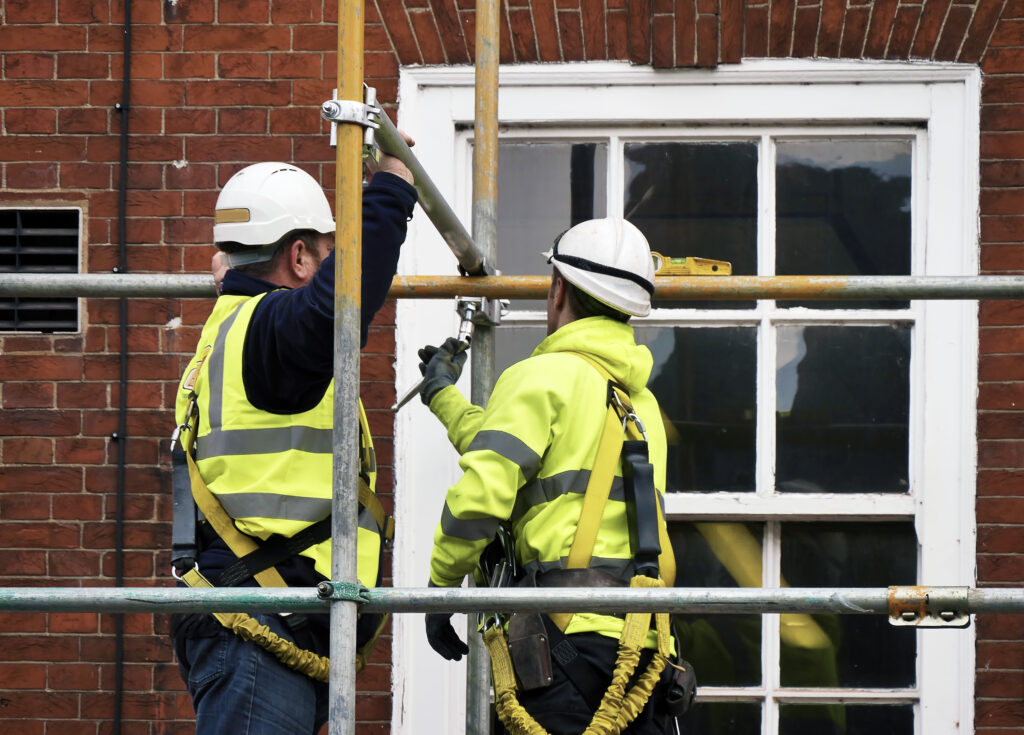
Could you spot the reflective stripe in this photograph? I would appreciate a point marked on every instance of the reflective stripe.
(215, 377)
(274, 505)
(472, 529)
(508, 446)
(545, 489)
(221, 442)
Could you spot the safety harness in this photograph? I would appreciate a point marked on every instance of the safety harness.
(255, 558)
(648, 536)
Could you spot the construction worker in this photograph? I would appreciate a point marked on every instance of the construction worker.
(258, 400)
(527, 461)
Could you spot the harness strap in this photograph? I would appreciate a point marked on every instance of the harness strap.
(273, 551)
(184, 549)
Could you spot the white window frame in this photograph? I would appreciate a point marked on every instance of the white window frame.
(939, 101)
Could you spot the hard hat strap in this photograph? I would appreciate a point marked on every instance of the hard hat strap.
(252, 255)
(606, 270)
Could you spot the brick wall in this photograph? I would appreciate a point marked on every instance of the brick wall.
(217, 85)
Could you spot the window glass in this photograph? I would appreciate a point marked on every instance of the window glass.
(843, 397)
(725, 650)
(846, 719)
(544, 189)
(723, 718)
(696, 200)
(704, 380)
(847, 650)
(843, 208)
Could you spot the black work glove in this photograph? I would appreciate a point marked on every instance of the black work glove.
(443, 638)
(441, 367)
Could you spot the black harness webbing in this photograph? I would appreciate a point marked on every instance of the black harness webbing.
(589, 681)
(271, 551)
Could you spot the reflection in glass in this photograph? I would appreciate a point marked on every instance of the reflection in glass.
(725, 650)
(543, 190)
(843, 406)
(723, 718)
(695, 200)
(704, 379)
(876, 554)
(513, 344)
(843, 208)
(846, 719)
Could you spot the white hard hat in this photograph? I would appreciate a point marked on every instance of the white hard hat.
(610, 260)
(264, 202)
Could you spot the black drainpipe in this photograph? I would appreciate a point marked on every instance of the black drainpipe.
(122, 414)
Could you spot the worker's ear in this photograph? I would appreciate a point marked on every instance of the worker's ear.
(303, 261)
(559, 293)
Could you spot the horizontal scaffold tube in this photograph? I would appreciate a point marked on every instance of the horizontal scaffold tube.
(698, 288)
(859, 601)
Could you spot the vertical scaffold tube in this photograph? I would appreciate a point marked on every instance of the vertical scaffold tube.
(485, 235)
(348, 264)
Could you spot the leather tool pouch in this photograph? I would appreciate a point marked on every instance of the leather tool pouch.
(530, 650)
(682, 690)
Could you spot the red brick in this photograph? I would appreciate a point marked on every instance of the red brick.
(756, 31)
(902, 34)
(731, 31)
(71, 676)
(638, 29)
(296, 66)
(34, 479)
(1000, 539)
(29, 66)
(84, 11)
(26, 11)
(1002, 173)
(1000, 454)
(23, 562)
(1003, 201)
(396, 20)
(193, 11)
(236, 38)
(74, 623)
(26, 121)
(1002, 117)
(854, 31)
(675, 46)
(986, 14)
(1001, 367)
(1007, 33)
(998, 713)
(933, 15)
(952, 33)
(22, 677)
(780, 29)
(32, 176)
(28, 450)
(83, 120)
(243, 66)
(524, 42)
(243, 11)
(83, 66)
(28, 395)
(707, 41)
(74, 563)
(1001, 568)
(51, 38)
(427, 37)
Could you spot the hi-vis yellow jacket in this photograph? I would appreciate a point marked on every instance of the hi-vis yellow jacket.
(272, 473)
(527, 458)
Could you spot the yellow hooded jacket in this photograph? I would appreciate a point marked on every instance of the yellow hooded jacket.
(526, 459)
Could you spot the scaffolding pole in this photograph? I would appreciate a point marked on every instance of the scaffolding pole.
(485, 234)
(681, 288)
(890, 601)
(347, 297)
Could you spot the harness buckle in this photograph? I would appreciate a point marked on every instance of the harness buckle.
(178, 576)
(190, 411)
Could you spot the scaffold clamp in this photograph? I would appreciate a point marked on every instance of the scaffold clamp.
(365, 114)
(929, 607)
(341, 591)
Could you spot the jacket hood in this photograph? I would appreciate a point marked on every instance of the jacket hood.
(607, 341)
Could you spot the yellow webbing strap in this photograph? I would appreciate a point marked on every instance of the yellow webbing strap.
(369, 500)
(250, 629)
(239, 543)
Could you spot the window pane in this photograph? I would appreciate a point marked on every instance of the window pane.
(725, 650)
(846, 719)
(847, 650)
(696, 200)
(512, 344)
(843, 406)
(843, 208)
(544, 189)
(704, 379)
(723, 718)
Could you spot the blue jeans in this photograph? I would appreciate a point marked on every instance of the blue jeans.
(239, 688)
